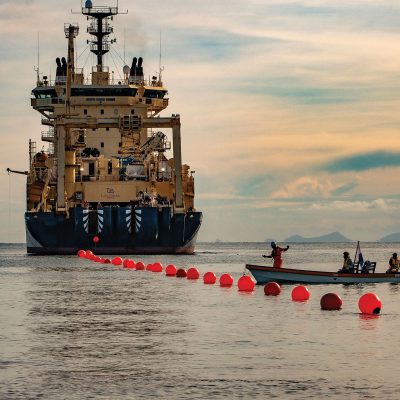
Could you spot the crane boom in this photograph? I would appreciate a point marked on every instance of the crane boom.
(16, 172)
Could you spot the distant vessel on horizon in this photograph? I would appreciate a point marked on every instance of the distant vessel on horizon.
(105, 182)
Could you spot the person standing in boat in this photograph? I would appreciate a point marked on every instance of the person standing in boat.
(276, 254)
(394, 264)
(348, 266)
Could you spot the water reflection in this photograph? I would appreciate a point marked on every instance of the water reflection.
(368, 322)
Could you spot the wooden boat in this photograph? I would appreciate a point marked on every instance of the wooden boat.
(264, 274)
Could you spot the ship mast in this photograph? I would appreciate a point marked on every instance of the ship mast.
(99, 27)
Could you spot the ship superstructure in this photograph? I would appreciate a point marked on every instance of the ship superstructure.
(106, 174)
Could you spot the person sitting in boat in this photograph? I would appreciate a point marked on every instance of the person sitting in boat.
(348, 266)
(394, 264)
(276, 254)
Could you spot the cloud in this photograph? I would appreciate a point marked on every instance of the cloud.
(364, 162)
(358, 206)
(305, 187)
(343, 189)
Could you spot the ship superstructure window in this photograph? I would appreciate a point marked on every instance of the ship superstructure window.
(102, 144)
(154, 94)
(109, 169)
(85, 111)
(44, 93)
(101, 111)
(91, 169)
(132, 111)
(110, 91)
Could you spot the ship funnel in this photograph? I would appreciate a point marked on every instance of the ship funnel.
(59, 67)
(139, 71)
(64, 66)
(133, 67)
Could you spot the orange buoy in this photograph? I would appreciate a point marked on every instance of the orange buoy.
(225, 280)
(246, 283)
(116, 261)
(96, 239)
(170, 270)
(331, 301)
(140, 266)
(272, 289)
(300, 293)
(369, 303)
(209, 278)
(157, 267)
(82, 253)
(193, 273)
(181, 273)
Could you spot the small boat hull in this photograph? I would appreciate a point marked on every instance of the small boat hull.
(264, 274)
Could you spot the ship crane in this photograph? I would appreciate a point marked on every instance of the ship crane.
(12, 171)
(154, 143)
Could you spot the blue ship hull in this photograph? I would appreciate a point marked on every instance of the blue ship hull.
(121, 230)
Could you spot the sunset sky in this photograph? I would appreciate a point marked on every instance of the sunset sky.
(290, 109)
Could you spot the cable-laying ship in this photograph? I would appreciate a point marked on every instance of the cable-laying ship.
(105, 182)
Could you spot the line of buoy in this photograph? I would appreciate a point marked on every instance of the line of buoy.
(369, 303)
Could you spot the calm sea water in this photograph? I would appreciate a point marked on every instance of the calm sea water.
(74, 329)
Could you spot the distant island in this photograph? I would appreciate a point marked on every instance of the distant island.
(334, 237)
(393, 237)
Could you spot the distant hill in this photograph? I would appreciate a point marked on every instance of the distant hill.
(334, 237)
(393, 237)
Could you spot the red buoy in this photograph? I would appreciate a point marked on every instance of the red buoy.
(96, 239)
(300, 293)
(82, 253)
(102, 260)
(272, 289)
(181, 273)
(116, 261)
(149, 267)
(209, 278)
(170, 270)
(369, 303)
(331, 301)
(157, 267)
(128, 263)
(246, 283)
(97, 259)
(140, 266)
(225, 280)
(88, 254)
(107, 261)
(193, 273)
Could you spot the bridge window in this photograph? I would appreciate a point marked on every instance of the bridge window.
(154, 94)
